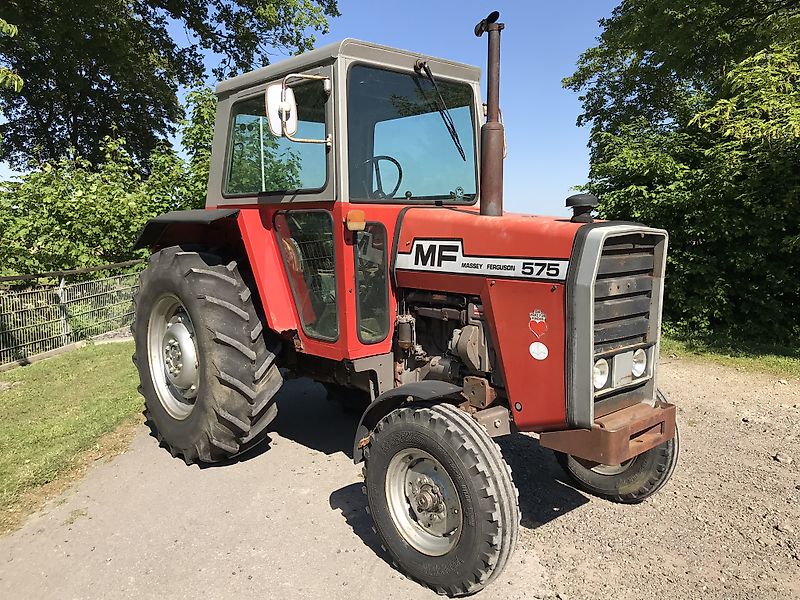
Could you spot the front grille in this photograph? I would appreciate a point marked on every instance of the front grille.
(623, 293)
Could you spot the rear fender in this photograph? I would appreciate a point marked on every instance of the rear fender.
(186, 227)
(244, 233)
(419, 391)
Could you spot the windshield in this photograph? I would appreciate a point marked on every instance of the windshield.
(399, 146)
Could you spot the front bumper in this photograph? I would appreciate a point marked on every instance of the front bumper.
(617, 437)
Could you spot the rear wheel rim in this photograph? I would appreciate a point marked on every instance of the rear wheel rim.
(423, 502)
(173, 356)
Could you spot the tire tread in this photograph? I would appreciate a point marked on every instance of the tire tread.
(242, 357)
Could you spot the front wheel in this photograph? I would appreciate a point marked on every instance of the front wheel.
(630, 482)
(442, 498)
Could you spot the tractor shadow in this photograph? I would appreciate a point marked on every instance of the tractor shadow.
(308, 417)
(545, 492)
(351, 502)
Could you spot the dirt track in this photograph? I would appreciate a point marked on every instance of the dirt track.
(290, 522)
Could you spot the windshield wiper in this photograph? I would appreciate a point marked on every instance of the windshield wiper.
(422, 67)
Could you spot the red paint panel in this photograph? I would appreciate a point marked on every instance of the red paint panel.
(510, 235)
(265, 260)
(539, 386)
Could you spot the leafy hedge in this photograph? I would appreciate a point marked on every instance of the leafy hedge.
(695, 114)
(68, 213)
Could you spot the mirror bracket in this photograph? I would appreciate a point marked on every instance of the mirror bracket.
(283, 108)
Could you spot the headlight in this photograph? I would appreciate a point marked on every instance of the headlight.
(639, 365)
(600, 374)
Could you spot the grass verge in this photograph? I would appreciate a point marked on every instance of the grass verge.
(57, 417)
(782, 361)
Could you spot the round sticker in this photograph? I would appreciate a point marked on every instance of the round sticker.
(538, 350)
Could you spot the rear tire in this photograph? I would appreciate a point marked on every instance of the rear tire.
(442, 498)
(219, 403)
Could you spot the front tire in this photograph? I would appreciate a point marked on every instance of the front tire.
(442, 498)
(630, 482)
(206, 367)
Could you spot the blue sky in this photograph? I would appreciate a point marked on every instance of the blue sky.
(547, 153)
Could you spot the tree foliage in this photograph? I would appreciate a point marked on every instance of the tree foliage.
(9, 79)
(99, 69)
(694, 109)
(70, 213)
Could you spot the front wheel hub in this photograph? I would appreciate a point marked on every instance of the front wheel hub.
(423, 502)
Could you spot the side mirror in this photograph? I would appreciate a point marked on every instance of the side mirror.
(281, 110)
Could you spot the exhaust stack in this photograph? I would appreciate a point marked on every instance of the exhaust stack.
(492, 132)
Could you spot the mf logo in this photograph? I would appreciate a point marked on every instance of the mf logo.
(435, 253)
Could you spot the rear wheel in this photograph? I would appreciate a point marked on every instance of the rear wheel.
(442, 498)
(630, 482)
(206, 367)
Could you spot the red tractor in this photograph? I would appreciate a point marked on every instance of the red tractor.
(354, 234)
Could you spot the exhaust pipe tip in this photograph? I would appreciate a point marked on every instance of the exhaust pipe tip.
(582, 206)
(480, 28)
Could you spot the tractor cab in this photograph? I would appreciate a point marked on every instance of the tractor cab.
(333, 145)
(353, 122)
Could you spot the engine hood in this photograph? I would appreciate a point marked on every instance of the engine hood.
(463, 242)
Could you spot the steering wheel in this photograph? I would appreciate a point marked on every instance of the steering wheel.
(379, 193)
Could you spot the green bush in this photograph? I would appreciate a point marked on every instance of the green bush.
(68, 214)
(695, 113)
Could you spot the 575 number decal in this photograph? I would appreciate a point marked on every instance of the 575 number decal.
(447, 256)
(537, 269)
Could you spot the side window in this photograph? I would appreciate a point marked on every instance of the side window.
(259, 162)
(373, 289)
(306, 242)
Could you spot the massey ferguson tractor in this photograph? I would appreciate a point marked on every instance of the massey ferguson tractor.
(354, 234)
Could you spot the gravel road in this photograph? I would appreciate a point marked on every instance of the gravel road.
(289, 522)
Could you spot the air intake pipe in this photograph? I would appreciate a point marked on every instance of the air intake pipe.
(492, 133)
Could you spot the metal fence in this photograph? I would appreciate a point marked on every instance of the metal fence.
(46, 311)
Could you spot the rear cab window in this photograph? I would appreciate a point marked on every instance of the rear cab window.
(261, 163)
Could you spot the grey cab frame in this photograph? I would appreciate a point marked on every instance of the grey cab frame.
(333, 61)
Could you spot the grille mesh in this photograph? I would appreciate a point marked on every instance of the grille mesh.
(623, 292)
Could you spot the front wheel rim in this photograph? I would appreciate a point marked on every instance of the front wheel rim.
(608, 470)
(423, 502)
(173, 356)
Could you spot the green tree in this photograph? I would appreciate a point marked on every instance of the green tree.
(9, 79)
(257, 160)
(71, 213)
(93, 69)
(694, 112)
(197, 133)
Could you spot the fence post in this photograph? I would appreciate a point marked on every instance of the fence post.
(62, 309)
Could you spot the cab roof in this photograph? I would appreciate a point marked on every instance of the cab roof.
(347, 48)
